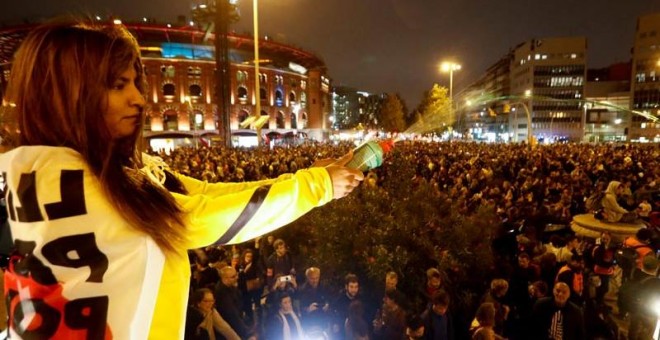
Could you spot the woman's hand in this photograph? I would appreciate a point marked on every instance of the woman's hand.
(344, 179)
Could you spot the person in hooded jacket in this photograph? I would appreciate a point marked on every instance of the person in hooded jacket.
(612, 211)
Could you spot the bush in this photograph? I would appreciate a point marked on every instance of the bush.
(404, 224)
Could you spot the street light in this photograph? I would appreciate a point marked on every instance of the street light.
(257, 87)
(450, 67)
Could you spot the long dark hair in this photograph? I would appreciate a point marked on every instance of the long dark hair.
(58, 89)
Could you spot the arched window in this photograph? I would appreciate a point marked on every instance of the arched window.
(279, 121)
(294, 121)
(169, 89)
(195, 90)
(197, 120)
(170, 120)
(292, 97)
(303, 99)
(303, 120)
(242, 93)
(279, 98)
(263, 94)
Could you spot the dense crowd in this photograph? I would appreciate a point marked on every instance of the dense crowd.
(557, 285)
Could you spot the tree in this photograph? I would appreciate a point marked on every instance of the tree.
(404, 224)
(435, 110)
(391, 114)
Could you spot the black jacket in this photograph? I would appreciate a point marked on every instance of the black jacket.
(228, 303)
(572, 320)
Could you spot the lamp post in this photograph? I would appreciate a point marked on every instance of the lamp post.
(449, 66)
(218, 14)
(530, 137)
(257, 87)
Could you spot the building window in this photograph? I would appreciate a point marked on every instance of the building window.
(197, 120)
(242, 93)
(303, 120)
(279, 97)
(292, 97)
(169, 90)
(194, 71)
(195, 90)
(294, 121)
(170, 121)
(241, 76)
(641, 77)
(168, 71)
(279, 121)
(263, 94)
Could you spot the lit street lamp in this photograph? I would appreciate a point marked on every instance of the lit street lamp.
(450, 67)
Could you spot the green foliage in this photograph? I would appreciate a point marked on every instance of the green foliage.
(435, 110)
(391, 114)
(404, 224)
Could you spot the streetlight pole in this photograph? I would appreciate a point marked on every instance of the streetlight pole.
(530, 137)
(219, 14)
(257, 87)
(222, 68)
(449, 66)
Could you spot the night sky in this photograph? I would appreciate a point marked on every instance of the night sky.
(396, 45)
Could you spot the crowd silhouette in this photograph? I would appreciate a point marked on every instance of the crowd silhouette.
(557, 286)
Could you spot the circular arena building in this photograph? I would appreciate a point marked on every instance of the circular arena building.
(179, 63)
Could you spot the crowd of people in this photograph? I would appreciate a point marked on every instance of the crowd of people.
(556, 285)
(103, 234)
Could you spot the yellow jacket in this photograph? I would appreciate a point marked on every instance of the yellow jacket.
(98, 277)
(212, 210)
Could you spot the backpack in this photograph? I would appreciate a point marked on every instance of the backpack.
(626, 258)
(595, 201)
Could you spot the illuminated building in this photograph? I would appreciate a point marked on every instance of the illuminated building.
(645, 80)
(180, 65)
